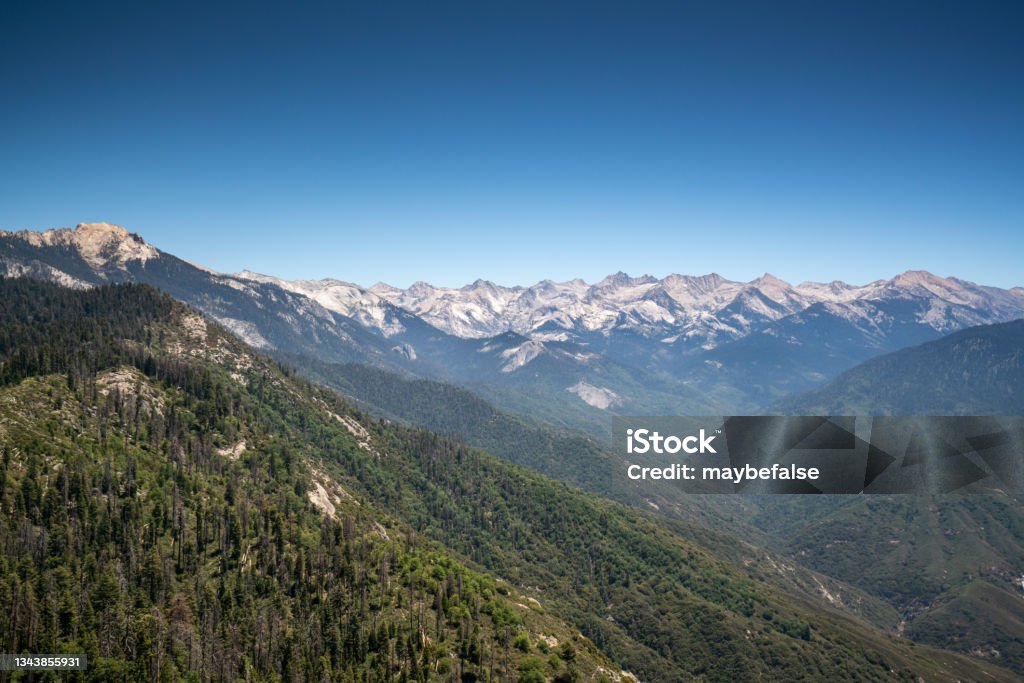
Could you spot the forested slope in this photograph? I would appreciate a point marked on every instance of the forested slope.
(175, 503)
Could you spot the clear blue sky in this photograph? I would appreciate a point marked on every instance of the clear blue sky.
(518, 141)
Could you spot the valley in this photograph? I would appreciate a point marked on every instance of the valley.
(533, 375)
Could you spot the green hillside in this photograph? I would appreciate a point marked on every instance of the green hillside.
(949, 564)
(977, 371)
(178, 507)
(158, 518)
(582, 461)
(454, 411)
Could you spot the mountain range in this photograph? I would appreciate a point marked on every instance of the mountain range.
(179, 506)
(498, 368)
(680, 344)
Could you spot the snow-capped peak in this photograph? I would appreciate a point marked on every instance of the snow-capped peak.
(702, 310)
(338, 296)
(384, 289)
(769, 281)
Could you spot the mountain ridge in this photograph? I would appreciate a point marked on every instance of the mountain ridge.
(289, 317)
(676, 294)
(523, 309)
(975, 371)
(625, 344)
(240, 503)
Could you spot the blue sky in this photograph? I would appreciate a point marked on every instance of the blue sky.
(521, 141)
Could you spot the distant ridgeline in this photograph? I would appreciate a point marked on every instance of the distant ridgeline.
(564, 352)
